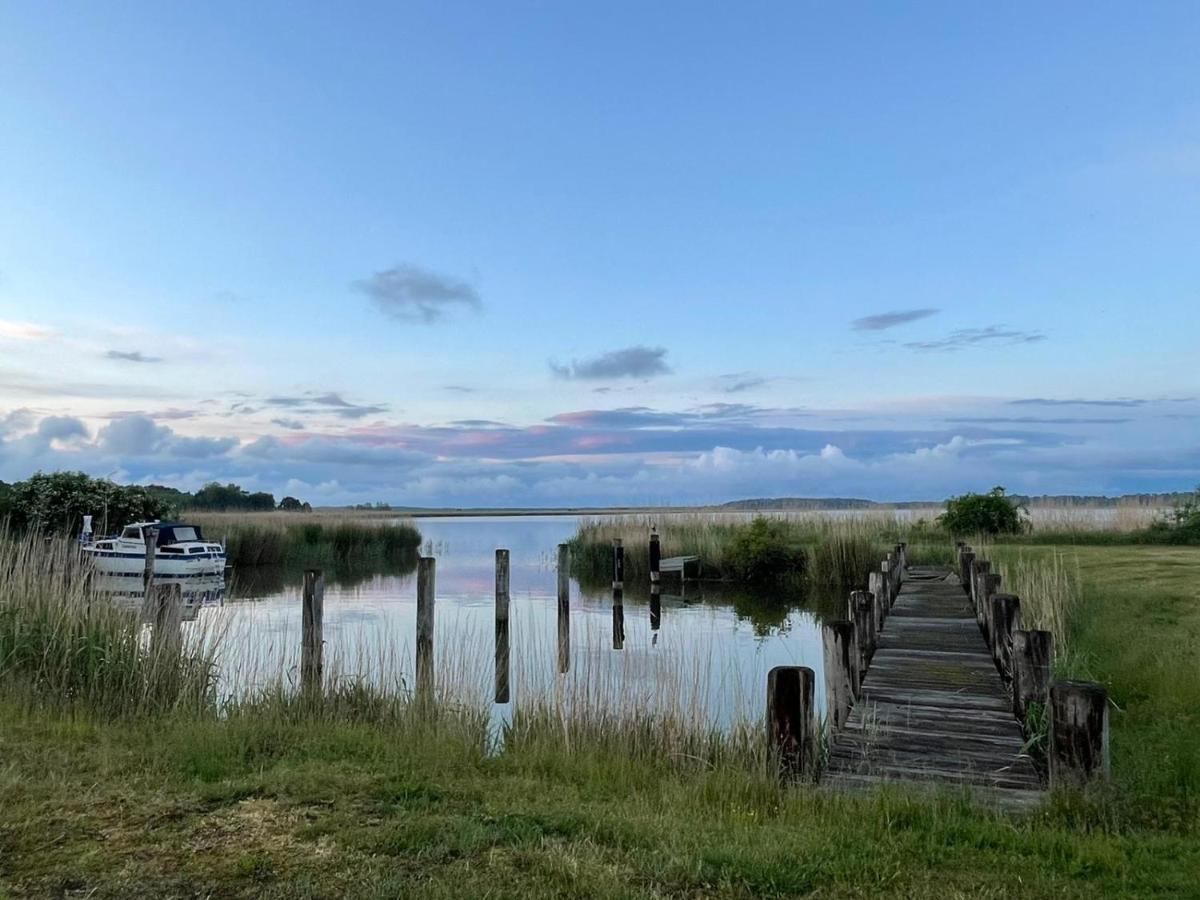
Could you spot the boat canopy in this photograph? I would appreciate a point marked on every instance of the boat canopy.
(177, 533)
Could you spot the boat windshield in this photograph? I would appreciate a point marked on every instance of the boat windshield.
(177, 534)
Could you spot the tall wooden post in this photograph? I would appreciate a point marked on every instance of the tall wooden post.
(841, 670)
(875, 588)
(1032, 666)
(791, 734)
(862, 608)
(564, 608)
(150, 536)
(168, 614)
(312, 641)
(965, 559)
(426, 594)
(655, 580)
(1006, 618)
(1078, 732)
(618, 565)
(502, 648)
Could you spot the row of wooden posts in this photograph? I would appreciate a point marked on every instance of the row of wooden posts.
(312, 613)
(849, 644)
(1077, 725)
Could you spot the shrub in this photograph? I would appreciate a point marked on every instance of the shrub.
(762, 550)
(990, 513)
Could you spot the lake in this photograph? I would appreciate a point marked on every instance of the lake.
(709, 651)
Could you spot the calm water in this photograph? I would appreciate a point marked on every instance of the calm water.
(713, 645)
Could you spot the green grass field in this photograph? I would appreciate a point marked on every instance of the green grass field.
(283, 803)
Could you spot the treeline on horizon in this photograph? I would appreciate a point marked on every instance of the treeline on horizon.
(58, 501)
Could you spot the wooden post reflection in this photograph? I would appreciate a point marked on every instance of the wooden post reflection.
(564, 608)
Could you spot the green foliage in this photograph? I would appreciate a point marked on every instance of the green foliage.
(295, 540)
(763, 550)
(291, 504)
(215, 497)
(58, 502)
(991, 513)
(1181, 525)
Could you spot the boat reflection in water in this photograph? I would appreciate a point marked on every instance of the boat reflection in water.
(198, 591)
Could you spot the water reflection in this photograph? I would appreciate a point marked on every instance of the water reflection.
(724, 637)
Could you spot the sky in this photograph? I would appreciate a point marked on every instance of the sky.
(529, 254)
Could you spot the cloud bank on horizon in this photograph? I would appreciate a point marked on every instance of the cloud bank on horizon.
(533, 277)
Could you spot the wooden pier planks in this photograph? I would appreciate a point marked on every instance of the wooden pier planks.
(932, 707)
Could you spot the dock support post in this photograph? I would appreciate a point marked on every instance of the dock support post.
(841, 670)
(1078, 732)
(965, 559)
(863, 612)
(791, 733)
(564, 608)
(426, 593)
(1032, 666)
(312, 642)
(1006, 618)
(618, 565)
(875, 588)
(502, 647)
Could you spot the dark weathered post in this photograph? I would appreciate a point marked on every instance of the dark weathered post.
(168, 614)
(150, 535)
(1032, 667)
(502, 649)
(618, 565)
(791, 734)
(1078, 732)
(991, 586)
(965, 559)
(862, 608)
(312, 642)
(564, 607)
(426, 593)
(655, 580)
(885, 568)
(903, 551)
(841, 670)
(1006, 618)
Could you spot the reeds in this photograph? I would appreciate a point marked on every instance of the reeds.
(62, 645)
(303, 539)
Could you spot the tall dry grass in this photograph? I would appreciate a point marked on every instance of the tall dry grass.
(307, 539)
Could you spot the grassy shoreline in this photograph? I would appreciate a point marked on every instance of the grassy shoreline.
(365, 796)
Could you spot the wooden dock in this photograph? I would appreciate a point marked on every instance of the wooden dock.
(932, 707)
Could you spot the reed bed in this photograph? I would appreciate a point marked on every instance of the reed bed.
(303, 539)
(831, 550)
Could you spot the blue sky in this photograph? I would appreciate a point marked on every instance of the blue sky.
(618, 253)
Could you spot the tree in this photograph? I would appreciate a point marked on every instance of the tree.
(990, 513)
(59, 501)
(291, 504)
(223, 497)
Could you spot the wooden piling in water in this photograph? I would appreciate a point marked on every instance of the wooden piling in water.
(1078, 748)
(502, 646)
(167, 615)
(564, 608)
(1033, 666)
(150, 535)
(618, 565)
(791, 732)
(312, 640)
(618, 619)
(841, 670)
(426, 594)
(655, 580)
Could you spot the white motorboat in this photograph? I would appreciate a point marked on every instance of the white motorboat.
(181, 556)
